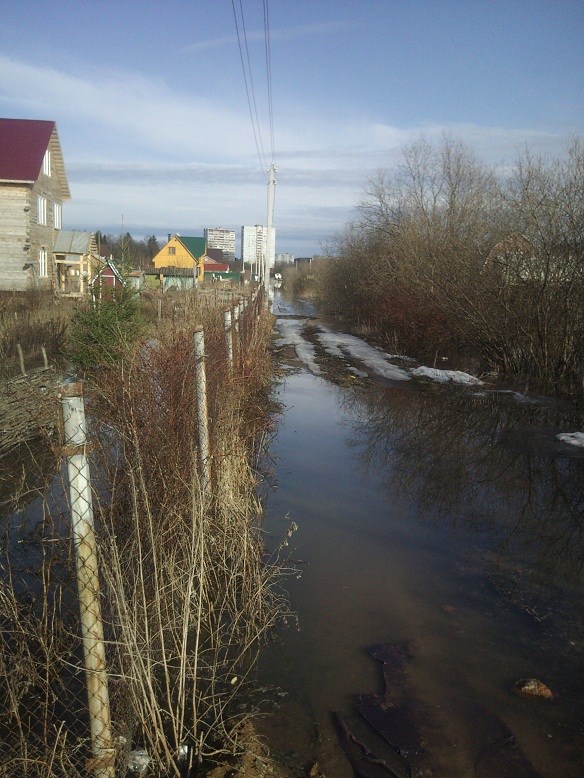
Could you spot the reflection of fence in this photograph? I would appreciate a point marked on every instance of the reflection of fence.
(55, 664)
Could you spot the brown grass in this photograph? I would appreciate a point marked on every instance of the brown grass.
(188, 596)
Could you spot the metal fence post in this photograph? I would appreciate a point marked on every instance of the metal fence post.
(202, 411)
(75, 451)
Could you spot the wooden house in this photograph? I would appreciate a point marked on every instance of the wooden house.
(33, 187)
(182, 252)
(514, 260)
(107, 276)
(76, 262)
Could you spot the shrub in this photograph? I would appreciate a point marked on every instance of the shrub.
(102, 331)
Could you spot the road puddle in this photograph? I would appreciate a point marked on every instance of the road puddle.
(442, 518)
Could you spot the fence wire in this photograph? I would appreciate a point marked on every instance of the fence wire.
(64, 703)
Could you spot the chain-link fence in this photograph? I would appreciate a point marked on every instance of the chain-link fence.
(111, 656)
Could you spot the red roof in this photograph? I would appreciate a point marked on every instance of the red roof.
(212, 266)
(23, 143)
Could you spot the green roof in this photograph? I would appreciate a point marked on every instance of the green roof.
(195, 246)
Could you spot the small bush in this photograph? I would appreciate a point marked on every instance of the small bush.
(101, 332)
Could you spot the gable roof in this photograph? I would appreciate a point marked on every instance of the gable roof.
(107, 268)
(211, 265)
(516, 243)
(215, 254)
(23, 143)
(195, 246)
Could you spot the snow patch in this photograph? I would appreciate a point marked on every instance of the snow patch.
(290, 331)
(572, 438)
(341, 345)
(446, 376)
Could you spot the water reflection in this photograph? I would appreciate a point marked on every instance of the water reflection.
(446, 520)
(483, 464)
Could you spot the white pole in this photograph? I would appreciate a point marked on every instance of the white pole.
(202, 412)
(268, 250)
(228, 337)
(71, 396)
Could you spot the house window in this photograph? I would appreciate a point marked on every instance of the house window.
(57, 216)
(43, 263)
(47, 163)
(172, 250)
(41, 210)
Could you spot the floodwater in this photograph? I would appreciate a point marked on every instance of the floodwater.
(446, 520)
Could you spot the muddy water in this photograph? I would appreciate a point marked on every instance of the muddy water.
(446, 521)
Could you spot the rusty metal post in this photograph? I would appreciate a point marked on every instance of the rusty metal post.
(75, 451)
(202, 411)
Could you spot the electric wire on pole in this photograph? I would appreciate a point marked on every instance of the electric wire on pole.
(250, 91)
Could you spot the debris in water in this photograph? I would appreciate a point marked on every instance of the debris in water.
(531, 687)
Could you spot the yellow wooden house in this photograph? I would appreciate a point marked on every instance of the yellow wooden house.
(182, 251)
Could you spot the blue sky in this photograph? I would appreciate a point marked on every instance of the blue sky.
(151, 107)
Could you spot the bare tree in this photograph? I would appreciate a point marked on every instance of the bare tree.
(445, 253)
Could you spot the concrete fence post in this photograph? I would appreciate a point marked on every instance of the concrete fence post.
(202, 411)
(236, 336)
(71, 395)
(228, 338)
(240, 309)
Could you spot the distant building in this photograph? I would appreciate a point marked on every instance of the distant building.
(254, 246)
(33, 187)
(270, 246)
(251, 247)
(219, 238)
(284, 259)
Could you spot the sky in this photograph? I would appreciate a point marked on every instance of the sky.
(152, 110)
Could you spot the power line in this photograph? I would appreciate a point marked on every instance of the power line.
(269, 74)
(249, 88)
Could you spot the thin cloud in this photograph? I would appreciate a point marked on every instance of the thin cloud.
(286, 34)
(122, 103)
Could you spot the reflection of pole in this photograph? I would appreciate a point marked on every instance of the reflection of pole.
(268, 251)
(71, 396)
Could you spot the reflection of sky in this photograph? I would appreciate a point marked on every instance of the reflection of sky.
(376, 481)
(488, 461)
(481, 464)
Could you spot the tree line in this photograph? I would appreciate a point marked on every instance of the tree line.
(129, 252)
(448, 254)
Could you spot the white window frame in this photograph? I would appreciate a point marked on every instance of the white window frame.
(43, 263)
(57, 216)
(41, 210)
(47, 163)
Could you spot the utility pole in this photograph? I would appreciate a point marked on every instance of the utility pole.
(268, 252)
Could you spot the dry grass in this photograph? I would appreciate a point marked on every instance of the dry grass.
(187, 594)
(33, 321)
